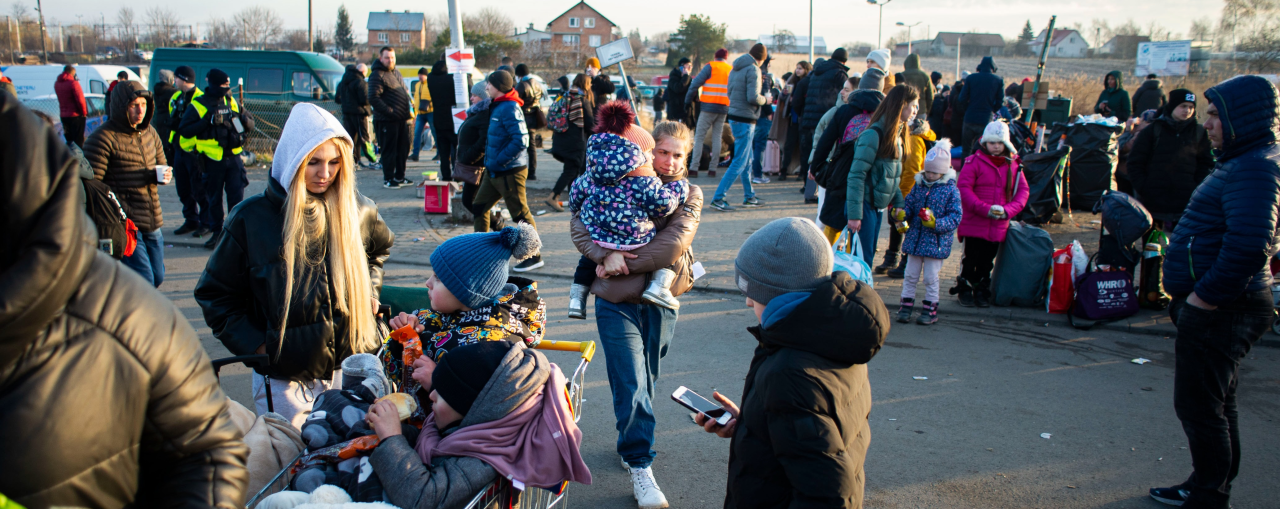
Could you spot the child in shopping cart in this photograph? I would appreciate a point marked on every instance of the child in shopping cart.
(617, 200)
(498, 410)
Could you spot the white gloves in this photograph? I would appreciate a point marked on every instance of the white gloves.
(996, 212)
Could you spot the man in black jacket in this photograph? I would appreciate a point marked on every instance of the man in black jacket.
(440, 85)
(531, 92)
(1170, 158)
(677, 85)
(108, 398)
(392, 117)
(818, 92)
(353, 95)
(1149, 96)
(802, 434)
(160, 120)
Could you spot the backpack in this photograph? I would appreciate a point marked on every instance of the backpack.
(1123, 216)
(117, 236)
(856, 125)
(558, 115)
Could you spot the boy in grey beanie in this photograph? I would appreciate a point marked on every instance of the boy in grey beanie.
(817, 331)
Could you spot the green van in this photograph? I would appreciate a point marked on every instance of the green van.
(271, 75)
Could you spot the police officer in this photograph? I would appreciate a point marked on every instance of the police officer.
(188, 180)
(220, 128)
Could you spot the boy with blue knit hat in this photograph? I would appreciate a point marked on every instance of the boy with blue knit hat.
(473, 299)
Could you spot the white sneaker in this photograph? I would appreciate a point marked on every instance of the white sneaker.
(648, 494)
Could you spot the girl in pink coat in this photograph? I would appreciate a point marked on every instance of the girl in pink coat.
(992, 190)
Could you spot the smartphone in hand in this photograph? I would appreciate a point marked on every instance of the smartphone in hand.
(697, 403)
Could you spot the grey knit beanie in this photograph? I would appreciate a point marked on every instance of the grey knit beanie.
(873, 79)
(786, 255)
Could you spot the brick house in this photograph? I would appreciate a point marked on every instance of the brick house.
(581, 29)
(397, 29)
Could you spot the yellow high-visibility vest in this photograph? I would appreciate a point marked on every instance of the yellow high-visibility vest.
(209, 146)
(187, 144)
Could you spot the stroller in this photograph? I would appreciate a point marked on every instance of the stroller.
(499, 494)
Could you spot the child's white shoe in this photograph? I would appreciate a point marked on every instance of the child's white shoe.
(578, 301)
(659, 291)
(648, 494)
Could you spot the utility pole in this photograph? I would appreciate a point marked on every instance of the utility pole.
(880, 23)
(461, 85)
(43, 33)
(80, 22)
(311, 40)
(810, 32)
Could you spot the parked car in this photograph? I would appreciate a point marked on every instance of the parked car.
(37, 80)
(97, 104)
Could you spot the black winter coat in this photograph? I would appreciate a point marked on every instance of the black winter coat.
(387, 95)
(823, 91)
(353, 93)
(440, 86)
(571, 146)
(1222, 244)
(107, 396)
(474, 133)
(860, 101)
(601, 87)
(161, 120)
(241, 290)
(1149, 96)
(937, 114)
(1168, 161)
(677, 86)
(802, 434)
(983, 94)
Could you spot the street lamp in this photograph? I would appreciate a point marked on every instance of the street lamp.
(901, 24)
(880, 22)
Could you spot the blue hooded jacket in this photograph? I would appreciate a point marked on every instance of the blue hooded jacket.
(507, 147)
(984, 93)
(1221, 247)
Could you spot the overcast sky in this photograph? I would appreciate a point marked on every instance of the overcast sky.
(838, 21)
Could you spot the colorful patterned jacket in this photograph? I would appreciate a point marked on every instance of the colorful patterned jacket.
(619, 210)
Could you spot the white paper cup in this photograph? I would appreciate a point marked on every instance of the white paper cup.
(164, 174)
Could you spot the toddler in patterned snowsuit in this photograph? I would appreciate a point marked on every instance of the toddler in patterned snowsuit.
(618, 198)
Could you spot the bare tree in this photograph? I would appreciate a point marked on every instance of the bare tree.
(223, 33)
(659, 40)
(295, 40)
(21, 12)
(489, 20)
(1201, 30)
(163, 23)
(128, 27)
(258, 25)
(784, 41)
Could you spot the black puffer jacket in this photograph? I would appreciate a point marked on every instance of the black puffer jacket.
(1149, 96)
(125, 157)
(161, 120)
(474, 133)
(677, 86)
(440, 85)
(1168, 161)
(802, 435)
(387, 95)
(108, 399)
(823, 91)
(353, 93)
(241, 290)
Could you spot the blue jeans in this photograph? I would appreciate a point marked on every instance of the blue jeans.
(763, 126)
(148, 258)
(869, 235)
(635, 337)
(421, 125)
(742, 133)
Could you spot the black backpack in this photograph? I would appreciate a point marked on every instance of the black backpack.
(116, 232)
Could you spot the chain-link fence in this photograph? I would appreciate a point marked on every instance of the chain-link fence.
(270, 114)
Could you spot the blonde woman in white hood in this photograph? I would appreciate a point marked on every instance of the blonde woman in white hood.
(297, 273)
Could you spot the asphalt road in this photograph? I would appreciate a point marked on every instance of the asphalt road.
(968, 436)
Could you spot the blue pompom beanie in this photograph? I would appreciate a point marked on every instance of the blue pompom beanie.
(474, 266)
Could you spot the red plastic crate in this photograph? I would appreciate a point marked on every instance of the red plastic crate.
(437, 198)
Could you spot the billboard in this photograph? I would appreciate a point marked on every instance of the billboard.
(1165, 58)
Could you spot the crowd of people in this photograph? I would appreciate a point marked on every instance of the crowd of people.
(296, 272)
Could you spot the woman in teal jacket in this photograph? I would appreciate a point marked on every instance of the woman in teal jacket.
(1114, 100)
(877, 166)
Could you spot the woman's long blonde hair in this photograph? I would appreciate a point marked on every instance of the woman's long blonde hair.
(330, 224)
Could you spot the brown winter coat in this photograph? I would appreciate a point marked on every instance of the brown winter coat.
(107, 397)
(124, 157)
(670, 247)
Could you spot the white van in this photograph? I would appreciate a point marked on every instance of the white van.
(37, 80)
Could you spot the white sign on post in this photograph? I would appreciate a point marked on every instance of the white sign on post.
(459, 115)
(459, 60)
(1166, 58)
(614, 52)
(460, 89)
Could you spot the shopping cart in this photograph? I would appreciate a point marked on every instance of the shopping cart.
(501, 493)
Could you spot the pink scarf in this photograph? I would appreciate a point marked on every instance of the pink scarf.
(534, 445)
